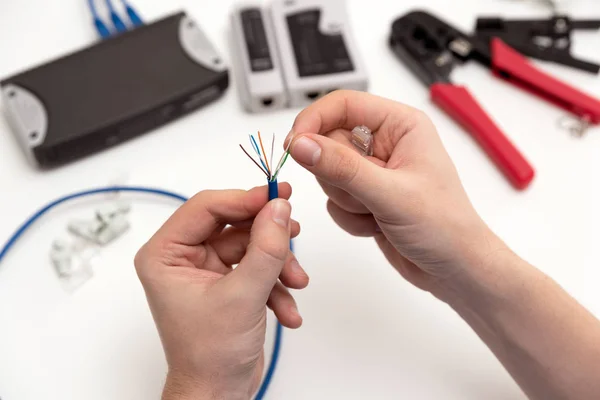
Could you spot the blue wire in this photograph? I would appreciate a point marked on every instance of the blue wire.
(255, 145)
(111, 189)
(101, 27)
(116, 20)
(272, 365)
(273, 194)
(257, 150)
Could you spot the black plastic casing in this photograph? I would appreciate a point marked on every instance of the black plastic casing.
(113, 91)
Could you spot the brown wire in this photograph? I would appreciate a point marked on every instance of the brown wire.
(254, 161)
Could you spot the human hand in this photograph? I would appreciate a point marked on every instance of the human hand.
(211, 317)
(408, 195)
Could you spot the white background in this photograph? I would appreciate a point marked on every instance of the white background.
(367, 334)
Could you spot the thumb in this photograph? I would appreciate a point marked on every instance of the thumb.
(342, 167)
(267, 252)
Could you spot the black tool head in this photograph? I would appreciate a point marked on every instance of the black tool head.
(431, 48)
(544, 39)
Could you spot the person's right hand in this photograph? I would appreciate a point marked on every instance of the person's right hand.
(408, 195)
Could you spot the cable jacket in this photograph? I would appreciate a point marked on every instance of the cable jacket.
(273, 190)
(273, 194)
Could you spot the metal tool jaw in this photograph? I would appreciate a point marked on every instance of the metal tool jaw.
(432, 48)
(544, 39)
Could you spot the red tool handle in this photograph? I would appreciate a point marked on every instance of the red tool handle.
(462, 106)
(511, 66)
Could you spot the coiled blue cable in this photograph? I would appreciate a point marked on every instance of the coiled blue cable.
(114, 189)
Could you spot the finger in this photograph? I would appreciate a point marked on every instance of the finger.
(259, 269)
(231, 248)
(293, 275)
(196, 220)
(343, 199)
(345, 138)
(357, 225)
(231, 245)
(346, 109)
(344, 168)
(212, 262)
(341, 111)
(284, 306)
(247, 225)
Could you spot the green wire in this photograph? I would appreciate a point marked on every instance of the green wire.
(285, 157)
(287, 153)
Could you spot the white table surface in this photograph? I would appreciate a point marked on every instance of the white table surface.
(367, 334)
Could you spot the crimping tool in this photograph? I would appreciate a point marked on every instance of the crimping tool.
(431, 48)
(544, 39)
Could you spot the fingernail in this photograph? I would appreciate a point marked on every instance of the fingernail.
(296, 268)
(306, 151)
(288, 138)
(281, 212)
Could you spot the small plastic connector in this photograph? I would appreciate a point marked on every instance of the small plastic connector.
(72, 262)
(362, 139)
(109, 224)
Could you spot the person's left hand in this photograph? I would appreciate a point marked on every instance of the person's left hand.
(211, 317)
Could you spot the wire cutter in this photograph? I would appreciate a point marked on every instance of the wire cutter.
(431, 48)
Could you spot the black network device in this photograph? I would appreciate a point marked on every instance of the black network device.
(113, 91)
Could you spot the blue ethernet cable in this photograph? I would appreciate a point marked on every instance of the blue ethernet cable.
(133, 15)
(273, 194)
(114, 17)
(101, 27)
(273, 191)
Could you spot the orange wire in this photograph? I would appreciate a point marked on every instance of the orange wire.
(264, 153)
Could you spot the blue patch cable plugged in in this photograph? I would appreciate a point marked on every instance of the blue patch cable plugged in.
(117, 22)
(133, 15)
(101, 27)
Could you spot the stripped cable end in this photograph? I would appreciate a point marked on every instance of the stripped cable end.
(263, 164)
